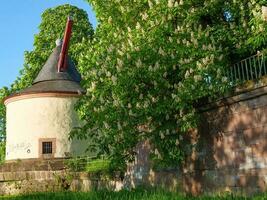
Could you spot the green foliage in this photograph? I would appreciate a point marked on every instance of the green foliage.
(76, 164)
(153, 62)
(4, 92)
(64, 180)
(98, 166)
(2, 151)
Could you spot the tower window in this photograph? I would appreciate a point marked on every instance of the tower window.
(47, 148)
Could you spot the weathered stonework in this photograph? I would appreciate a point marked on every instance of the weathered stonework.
(231, 155)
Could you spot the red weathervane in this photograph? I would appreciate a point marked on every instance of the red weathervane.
(62, 62)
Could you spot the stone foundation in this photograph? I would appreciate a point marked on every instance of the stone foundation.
(37, 175)
(51, 181)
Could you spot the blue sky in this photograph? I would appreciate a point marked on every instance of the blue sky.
(19, 20)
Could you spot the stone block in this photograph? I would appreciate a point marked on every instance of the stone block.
(254, 135)
(2, 178)
(262, 115)
(248, 119)
(20, 175)
(75, 185)
(43, 175)
(259, 150)
(251, 182)
(240, 107)
(258, 102)
(83, 175)
(8, 176)
(86, 185)
(38, 175)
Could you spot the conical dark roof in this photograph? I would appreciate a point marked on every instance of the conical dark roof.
(49, 72)
(50, 80)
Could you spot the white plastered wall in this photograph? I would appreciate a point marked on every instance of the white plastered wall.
(30, 119)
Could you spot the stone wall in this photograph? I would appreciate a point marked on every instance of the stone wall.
(230, 155)
(22, 182)
(38, 175)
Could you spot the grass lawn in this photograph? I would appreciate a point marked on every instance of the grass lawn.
(122, 195)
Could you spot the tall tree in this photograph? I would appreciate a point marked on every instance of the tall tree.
(51, 28)
(150, 64)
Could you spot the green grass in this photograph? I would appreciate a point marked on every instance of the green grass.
(122, 195)
(98, 165)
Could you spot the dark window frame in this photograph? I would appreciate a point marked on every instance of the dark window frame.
(47, 147)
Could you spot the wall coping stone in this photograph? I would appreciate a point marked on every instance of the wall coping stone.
(231, 99)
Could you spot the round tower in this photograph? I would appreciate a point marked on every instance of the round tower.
(40, 118)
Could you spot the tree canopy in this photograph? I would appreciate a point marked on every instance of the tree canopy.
(152, 62)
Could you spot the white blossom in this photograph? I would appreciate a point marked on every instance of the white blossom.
(119, 62)
(197, 78)
(138, 26)
(93, 86)
(108, 74)
(187, 74)
(106, 125)
(165, 74)
(144, 16)
(161, 52)
(146, 104)
(162, 136)
(150, 4)
(129, 29)
(224, 79)
(110, 20)
(122, 9)
(128, 56)
(170, 3)
(139, 63)
(114, 79)
(120, 52)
